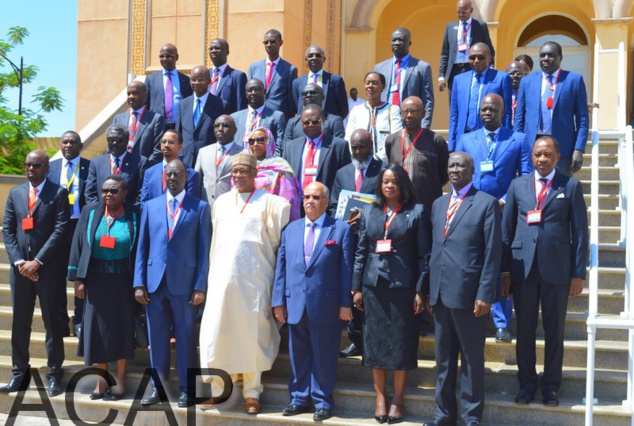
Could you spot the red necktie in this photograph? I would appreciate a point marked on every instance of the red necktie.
(396, 98)
(269, 74)
(359, 182)
(542, 193)
(32, 199)
(310, 162)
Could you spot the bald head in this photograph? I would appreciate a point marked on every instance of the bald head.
(218, 51)
(412, 112)
(464, 9)
(492, 111)
(516, 70)
(200, 80)
(361, 146)
(136, 92)
(401, 41)
(175, 177)
(168, 56)
(36, 166)
(315, 58)
(255, 93)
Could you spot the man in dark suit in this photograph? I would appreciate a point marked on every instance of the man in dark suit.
(197, 115)
(167, 88)
(464, 267)
(70, 172)
(459, 36)
(258, 114)
(34, 228)
(499, 155)
(145, 127)
(468, 90)
(554, 102)
(312, 292)
(226, 83)
(154, 182)
(333, 124)
(316, 157)
(407, 76)
(335, 96)
(277, 75)
(170, 277)
(117, 161)
(545, 233)
(516, 70)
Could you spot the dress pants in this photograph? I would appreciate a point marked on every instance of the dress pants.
(23, 292)
(459, 332)
(251, 384)
(313, 351)
(355, 328)
(554, 302)
(502, 309)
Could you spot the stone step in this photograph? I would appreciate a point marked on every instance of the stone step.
(605, 173)
(606, 201)
(606, 146)
(611, 255)
(605, 160)
(609, 234)
(611, 278)
(6, 317)
(610, 301)
(608, 217)
(606, 187)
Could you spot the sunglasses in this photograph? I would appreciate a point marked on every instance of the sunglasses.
(313, 197)
(310, 92)
(34, 165)
(260, 141)
(113, 191)
(309, 122)
(478, 57)
(270, 42)
(168, 142)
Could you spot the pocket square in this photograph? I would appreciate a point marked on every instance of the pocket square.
(331, 243)
(560, 195)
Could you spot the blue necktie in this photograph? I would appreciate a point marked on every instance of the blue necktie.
(170, 221)
(546, 112)
(472, 120)
(197, 113)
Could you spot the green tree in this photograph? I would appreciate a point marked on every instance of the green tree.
(17, 130)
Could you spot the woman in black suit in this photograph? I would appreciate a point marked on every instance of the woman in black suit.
(390, 266)
(101, 266)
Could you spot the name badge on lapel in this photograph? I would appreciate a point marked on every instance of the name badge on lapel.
(486, 166)
(533, 216)
(384, 246)
(27, 223)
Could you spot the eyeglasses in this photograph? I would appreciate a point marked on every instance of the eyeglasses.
(478, 57)
(413, 111)
(313, 197)
(311, 122)
(34, 165)
(240, 172)
(168, 142)
(314, 56)
(260, 141)
(310, 92)
(266, 42)
(219, 125)
(113, 191)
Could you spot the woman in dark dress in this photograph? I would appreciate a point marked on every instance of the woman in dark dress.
(100, 264)
(389, 269)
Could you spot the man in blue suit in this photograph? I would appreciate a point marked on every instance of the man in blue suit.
(167, 88)
(197, 115)
(499, 155)
(333, 86)
(407, 76)
(170, 277)
(554, 102)
(154, 181)
(468, 90)
(312, 292)
(258, 114)
(226, 83)
(277, 75)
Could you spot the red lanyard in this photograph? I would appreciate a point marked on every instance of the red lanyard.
(246, 202)
(373, 116)
(173, 216)
(219, 161)
(411, 144)
(451, 210)
(34, 201)
(118, 169)
(554, 86)
(255, 120)
(135, 127)
(466, 31)
(389, 220)
(110, 220)
(542, 194)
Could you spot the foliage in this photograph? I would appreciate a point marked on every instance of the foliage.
(17, 131)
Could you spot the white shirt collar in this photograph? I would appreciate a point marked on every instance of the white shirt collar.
(221, 68)
(550, 176)
(463, 191)
(121, 157)
(203, 99)
(74, 161)
(319, 222)
(276, 62)
(39, 187)
(258, 111)
(179, 197)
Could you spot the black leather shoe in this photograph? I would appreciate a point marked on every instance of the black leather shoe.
(77, 330)
(503, 335)
(524, 397)
(12, 386)
(54, 387)
(185, 400)
(550, 398)
(351, 350)
(294, 409)
(322, 414)
(152, 399)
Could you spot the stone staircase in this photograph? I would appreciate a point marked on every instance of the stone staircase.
(354, 392)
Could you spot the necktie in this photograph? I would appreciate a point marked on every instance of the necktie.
(310, 242)
(464, 31)
(169, 97)
(472, 121)
(222, 150)
(269, 73)
(546, 112)
(310, 162)
(33, 199)
(542, 193)
(69, 170)
(490, 137)
(197, 112)
(513, 107)
(171, 216)
(451, 211)
(116, 165)
(396, 97)
(359, 182)
(214, 82)
(315, 78)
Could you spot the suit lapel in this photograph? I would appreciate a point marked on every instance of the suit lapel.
(504, 141)
(324, 235)
(142, 125)
(225, 77)
(411, 65)
(96, 220)
(370, 175)
(182, 215)
(204, 114)
(462, 209)
(277, 73)
(324, 153)
(325, 82)
(560, 86)
(555, 189)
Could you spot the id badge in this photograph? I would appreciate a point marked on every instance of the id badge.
(486, 166)
(533, 216)
(71, 199)
(310, 171)
(384, 246)
(27, 223)
(462, 47)
(550, 102)
(394, 88)
(107, 241)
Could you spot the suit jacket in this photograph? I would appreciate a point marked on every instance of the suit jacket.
(202, 135)
(322, 286)
(153, 183)
(560, 240)
(133, 168)
(83, 238)
(155, 99)
(333, 155)
(465, 264)
(479, 34)
(335, 95)
(183, 259)
(407, 264)
(512, 157)
(333, 126)
(148, 135)
(494, 81)
(231, 89)
(417, 82)
(570, 118)
(344, 179)
(215, 180)
(270, 118)
(50, 224)
(279, 94)
(55, 171)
